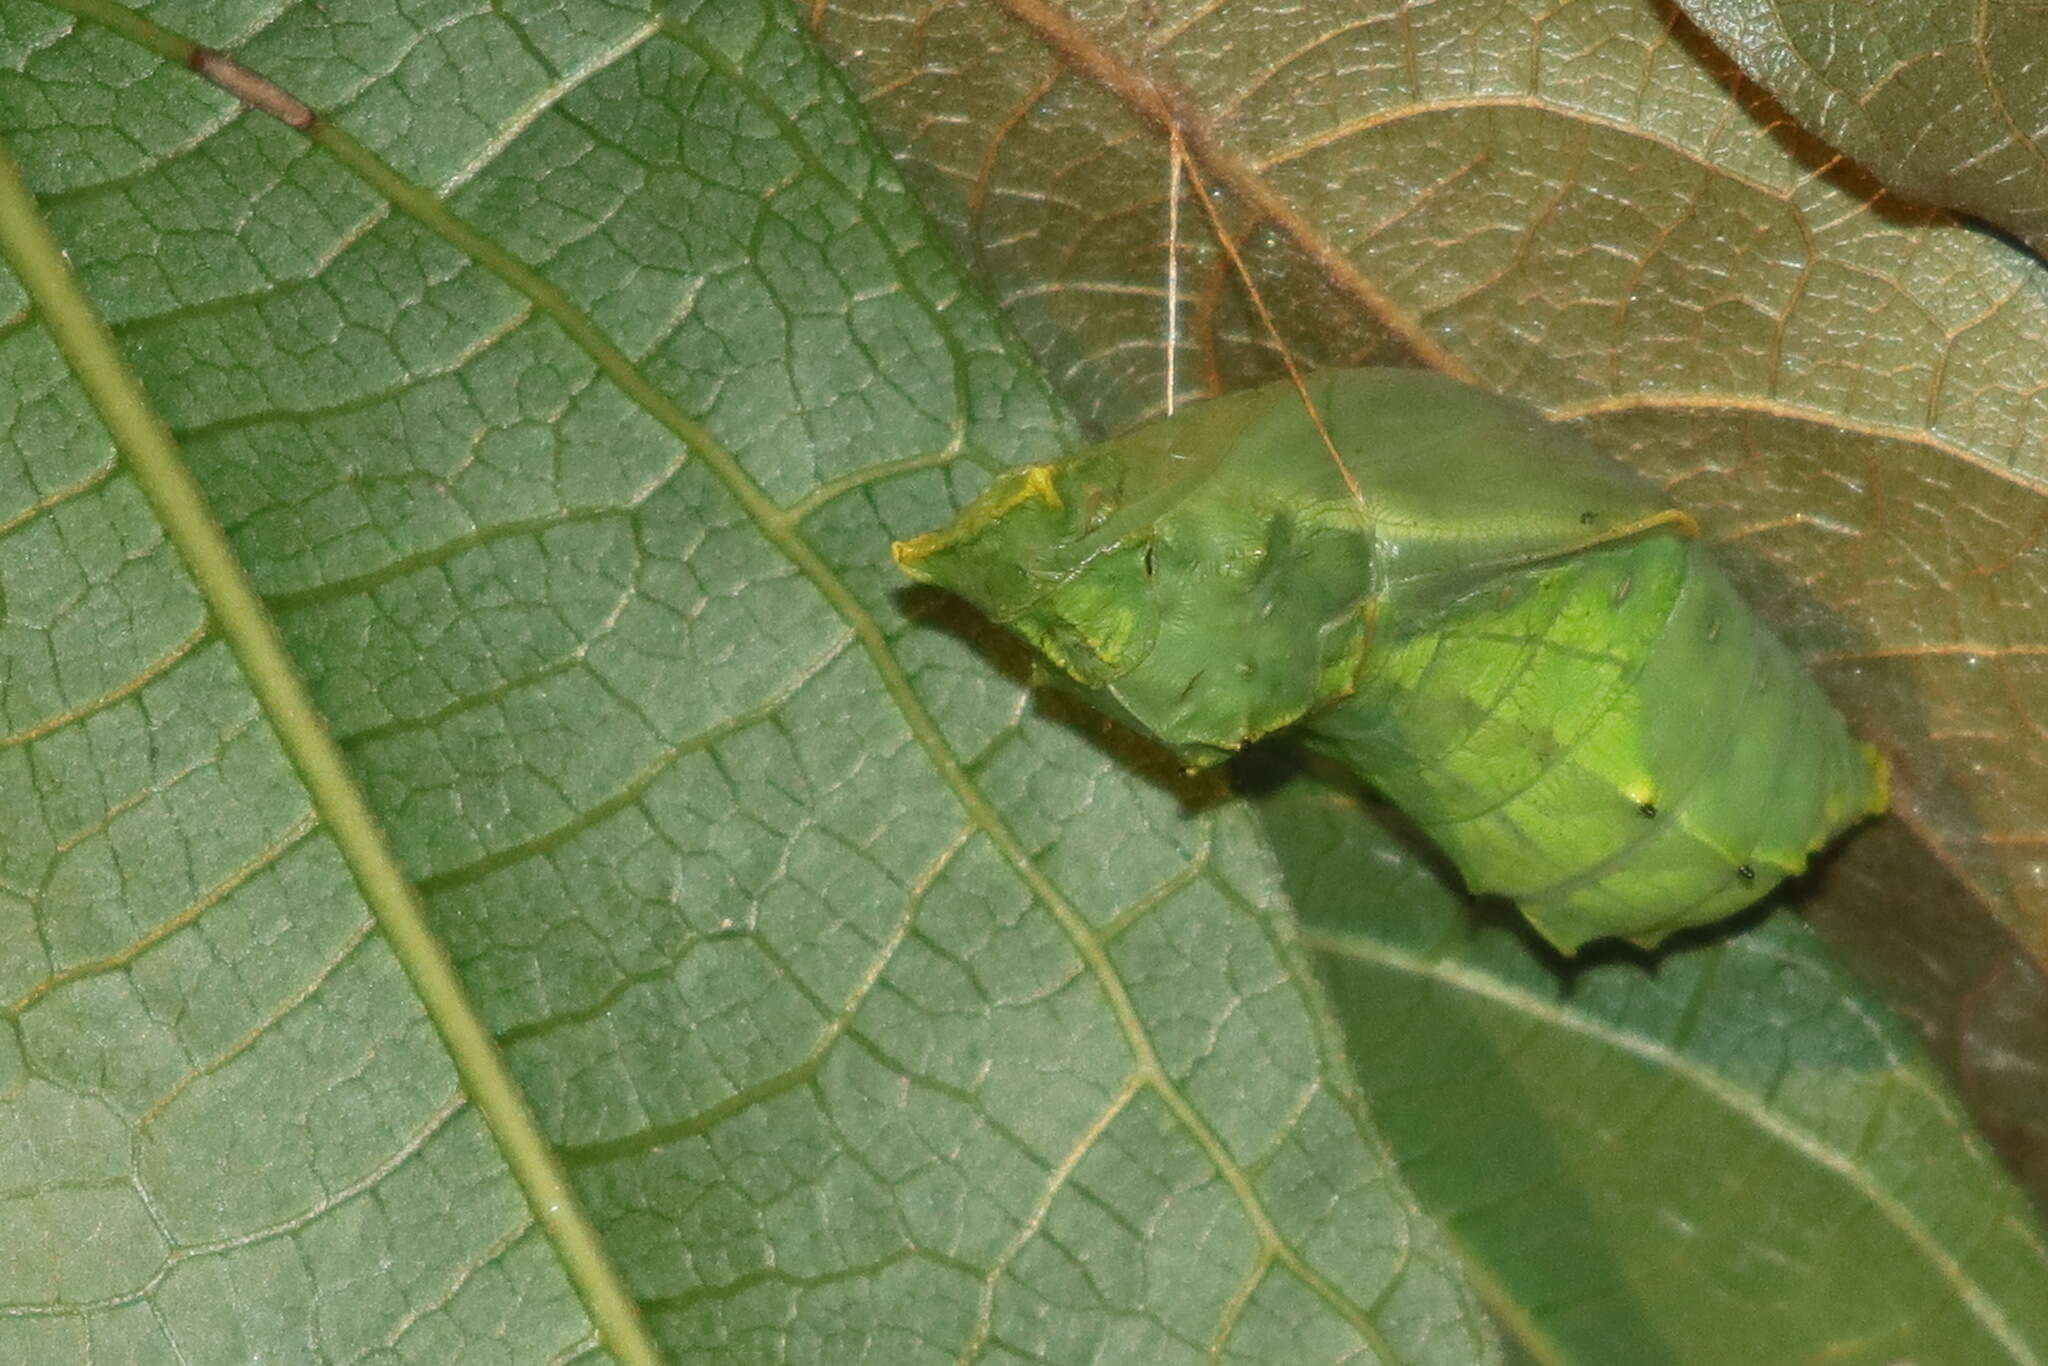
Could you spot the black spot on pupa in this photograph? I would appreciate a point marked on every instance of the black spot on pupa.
(1150, 563)
(1648, 811)
(1587, 519)
(1745, 872)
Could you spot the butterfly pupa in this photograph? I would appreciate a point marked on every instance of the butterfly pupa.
(1519, 644)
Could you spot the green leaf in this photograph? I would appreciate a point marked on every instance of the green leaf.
(1730, 1158)
(558, 393)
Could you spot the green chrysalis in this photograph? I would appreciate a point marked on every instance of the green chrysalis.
(1504, 632)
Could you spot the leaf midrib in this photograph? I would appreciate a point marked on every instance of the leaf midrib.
(152, 458)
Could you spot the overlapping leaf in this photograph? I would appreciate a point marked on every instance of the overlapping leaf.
(1665, 1165)
(1946, 104)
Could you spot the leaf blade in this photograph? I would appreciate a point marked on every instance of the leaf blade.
(658, 744)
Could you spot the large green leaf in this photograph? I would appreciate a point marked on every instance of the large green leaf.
(560, 395)
(557, 393)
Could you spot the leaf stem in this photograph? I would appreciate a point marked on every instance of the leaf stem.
(152, 457)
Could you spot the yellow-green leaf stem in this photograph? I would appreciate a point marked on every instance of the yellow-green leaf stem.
(151, 454)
